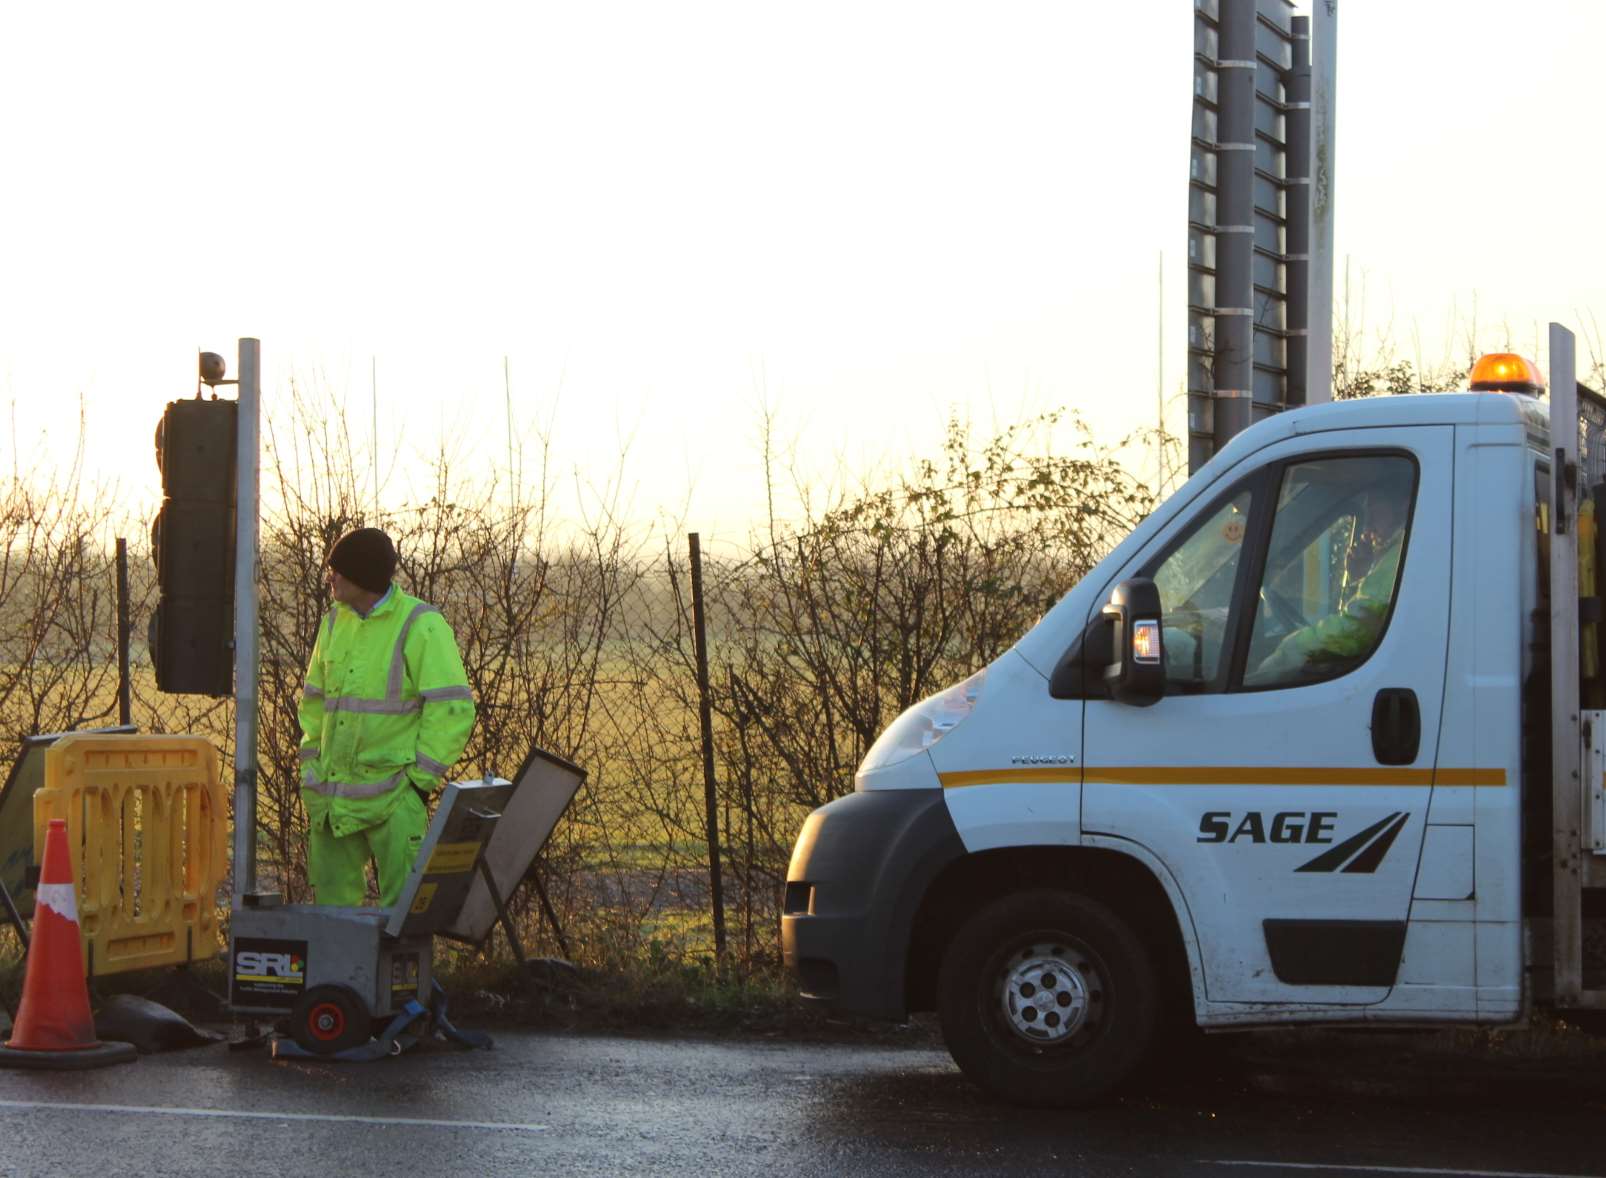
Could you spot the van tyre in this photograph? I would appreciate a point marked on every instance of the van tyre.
(1047, 998)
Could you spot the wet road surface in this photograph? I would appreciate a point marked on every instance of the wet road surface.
(1312, 1104)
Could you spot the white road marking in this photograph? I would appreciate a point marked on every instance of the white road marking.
(1389, 1169)
(154, 1110)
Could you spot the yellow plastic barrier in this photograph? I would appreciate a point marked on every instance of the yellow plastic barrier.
(145, 819)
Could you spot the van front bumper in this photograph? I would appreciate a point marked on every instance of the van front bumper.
(861, 868)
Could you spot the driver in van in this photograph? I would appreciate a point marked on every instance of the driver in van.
(1372, 565)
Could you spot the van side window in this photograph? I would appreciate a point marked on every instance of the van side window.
(1332, 568)
(1196, 586)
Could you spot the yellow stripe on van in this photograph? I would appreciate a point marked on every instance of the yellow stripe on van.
(1495, 777)
(1368, 775)
(1065, 775)
(1223, 775)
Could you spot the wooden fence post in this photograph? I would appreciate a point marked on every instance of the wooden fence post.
(706, 716)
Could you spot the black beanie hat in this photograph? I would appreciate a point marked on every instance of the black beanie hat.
(366, 558)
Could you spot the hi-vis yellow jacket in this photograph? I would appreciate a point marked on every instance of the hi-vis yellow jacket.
(386, 707)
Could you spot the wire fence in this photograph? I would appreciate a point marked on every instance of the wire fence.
(586, 644)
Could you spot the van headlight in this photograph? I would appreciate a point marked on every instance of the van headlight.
(924, 724)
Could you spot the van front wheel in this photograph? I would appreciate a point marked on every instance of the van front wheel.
(1047, 998)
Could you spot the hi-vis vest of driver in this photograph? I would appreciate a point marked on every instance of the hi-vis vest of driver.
(387, 706)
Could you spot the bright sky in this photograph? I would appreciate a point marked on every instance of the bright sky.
(863, 216)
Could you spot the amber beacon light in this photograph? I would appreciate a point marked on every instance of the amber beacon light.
(1505, 372)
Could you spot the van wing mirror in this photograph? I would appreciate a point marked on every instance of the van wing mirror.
(1080, 672)
(1137, 673)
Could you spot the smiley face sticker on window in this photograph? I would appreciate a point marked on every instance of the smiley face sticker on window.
(1233, 530)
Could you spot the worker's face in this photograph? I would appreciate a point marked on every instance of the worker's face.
(340, 589)
(1384, 519)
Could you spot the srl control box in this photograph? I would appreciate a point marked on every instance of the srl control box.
(282, 952)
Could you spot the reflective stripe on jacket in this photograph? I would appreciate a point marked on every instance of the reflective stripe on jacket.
(386, 707)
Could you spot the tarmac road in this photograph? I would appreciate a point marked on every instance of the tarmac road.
(1312, 1104)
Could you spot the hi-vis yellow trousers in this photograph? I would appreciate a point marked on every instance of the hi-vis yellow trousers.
(337, 865)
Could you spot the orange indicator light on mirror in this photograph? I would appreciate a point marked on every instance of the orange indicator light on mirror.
(1146, 641)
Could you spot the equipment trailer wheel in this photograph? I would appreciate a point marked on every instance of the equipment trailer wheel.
(1047, 998)
(329, 1019)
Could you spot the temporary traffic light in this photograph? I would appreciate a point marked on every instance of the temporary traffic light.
(192, 633)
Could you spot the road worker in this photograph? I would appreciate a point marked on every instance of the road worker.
(1372, 566)
(385, 713)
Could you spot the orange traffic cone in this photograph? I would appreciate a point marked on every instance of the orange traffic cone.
(54, 1028)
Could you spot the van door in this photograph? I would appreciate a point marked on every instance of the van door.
(1284, 778)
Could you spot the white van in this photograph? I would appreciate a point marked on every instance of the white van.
(1283, 757)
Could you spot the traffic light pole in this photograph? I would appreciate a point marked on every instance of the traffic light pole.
(245, 620)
